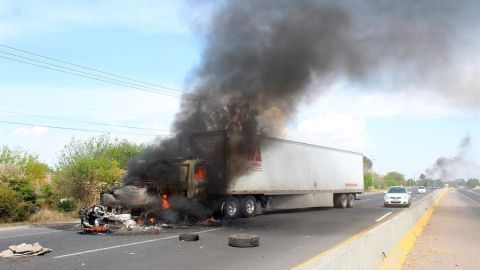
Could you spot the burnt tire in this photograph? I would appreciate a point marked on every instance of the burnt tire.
(230, 207)
(243, 240)
(188, 237)
(248, 207)
(350, 200)
(342, 201)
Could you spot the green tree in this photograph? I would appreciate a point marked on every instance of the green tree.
(394, 178)
(86, 168)
(367, 164)
(367, 180)
(24, 163)
(473, 182)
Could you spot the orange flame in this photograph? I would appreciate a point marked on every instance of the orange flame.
(200, 172)
(165, 203)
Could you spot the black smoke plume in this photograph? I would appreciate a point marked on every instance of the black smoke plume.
(262, 58)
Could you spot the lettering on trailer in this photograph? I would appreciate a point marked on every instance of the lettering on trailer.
(351, 185)
(256, 158)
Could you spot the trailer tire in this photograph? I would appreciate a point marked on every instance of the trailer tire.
(230, 207)
(243, 240)
(248, 207)
(351, 201)
(342, 201)
(188, 237)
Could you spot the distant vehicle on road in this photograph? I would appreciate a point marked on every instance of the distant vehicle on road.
(397, 195)
(421, 190)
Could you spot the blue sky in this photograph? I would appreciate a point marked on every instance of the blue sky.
(158, 42)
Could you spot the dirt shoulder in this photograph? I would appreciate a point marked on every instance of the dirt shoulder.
(451, 238)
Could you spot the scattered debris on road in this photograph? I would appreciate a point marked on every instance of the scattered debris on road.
(243, 240)
(24, 250)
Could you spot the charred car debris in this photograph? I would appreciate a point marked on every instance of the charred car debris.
(132, 209)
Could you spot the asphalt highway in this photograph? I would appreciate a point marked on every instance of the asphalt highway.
(286, 239)
(473, 194)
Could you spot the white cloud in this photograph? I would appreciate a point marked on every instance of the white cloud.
(31, 132)
(334, 130)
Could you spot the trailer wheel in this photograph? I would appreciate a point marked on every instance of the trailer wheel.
(230, 207)
(342, 201)
(335, 200)
(248, 206)
(243, 240)
(351, 200)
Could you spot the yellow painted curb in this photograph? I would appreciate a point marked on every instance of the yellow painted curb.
(397, 256)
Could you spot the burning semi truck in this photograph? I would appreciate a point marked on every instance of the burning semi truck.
(236, 176)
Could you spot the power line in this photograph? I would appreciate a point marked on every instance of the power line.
(93, 78)
(90, 74)
(82, 121)
(78, 129)
(89, 68)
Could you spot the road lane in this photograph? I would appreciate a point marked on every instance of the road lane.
(471, 193)
(286, 239)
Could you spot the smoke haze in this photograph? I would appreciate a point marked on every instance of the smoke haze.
(457, 167)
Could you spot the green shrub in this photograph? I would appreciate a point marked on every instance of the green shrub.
(25, 190)
(67, 205)
(12, 208)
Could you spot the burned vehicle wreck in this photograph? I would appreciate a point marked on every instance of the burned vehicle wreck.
(229, 175)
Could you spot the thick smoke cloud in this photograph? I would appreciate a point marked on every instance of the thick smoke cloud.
(268, 53)
(262, 58)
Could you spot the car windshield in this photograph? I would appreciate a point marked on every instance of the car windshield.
(421, 187)
(397, 190)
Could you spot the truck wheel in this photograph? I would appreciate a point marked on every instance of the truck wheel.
(350, 200)
(243, 240)
(248, 206)
(342, 200)
(230, 207)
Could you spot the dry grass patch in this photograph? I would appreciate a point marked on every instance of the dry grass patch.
(46, 215)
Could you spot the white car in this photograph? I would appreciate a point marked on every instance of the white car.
(421, 190)
(397, 195)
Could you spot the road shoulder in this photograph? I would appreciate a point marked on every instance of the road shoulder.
(449, 240)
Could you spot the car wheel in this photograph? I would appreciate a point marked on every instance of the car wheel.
(248, 206)
(230, 207)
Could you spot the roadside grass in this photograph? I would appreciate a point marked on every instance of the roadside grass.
(45, 216)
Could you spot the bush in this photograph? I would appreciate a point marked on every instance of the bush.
(67, 205)
(25, 190)
(12, 208)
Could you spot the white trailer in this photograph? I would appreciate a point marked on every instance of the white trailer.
(245, 176)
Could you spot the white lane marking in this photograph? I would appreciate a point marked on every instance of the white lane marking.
(382, 217)
(126, 245)
(415, 197)
(27, 234)
(363, 200)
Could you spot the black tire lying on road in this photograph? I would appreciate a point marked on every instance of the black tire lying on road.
(243, 240)
(188, 237)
